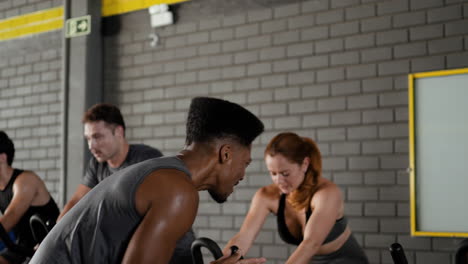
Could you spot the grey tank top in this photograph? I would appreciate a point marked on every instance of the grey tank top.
(100, 226)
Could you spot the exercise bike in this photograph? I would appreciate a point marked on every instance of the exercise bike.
(398, 254)
(39, 228)
(215, 250)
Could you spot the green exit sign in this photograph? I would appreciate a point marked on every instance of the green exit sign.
(78, 26)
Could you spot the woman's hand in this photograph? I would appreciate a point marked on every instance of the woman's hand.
(236, 259)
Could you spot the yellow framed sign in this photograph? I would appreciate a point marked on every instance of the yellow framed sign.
(438, 124)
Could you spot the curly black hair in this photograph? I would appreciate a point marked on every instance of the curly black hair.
(212, 118)
(7, 147)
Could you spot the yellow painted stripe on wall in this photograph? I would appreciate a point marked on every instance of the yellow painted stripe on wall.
(31, 17)
(115, 7)
(52, 19)
(33, 23)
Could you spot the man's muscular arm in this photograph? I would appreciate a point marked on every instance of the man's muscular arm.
(169, 202)
(25, 189)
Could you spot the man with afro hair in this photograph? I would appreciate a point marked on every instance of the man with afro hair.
(138, 214)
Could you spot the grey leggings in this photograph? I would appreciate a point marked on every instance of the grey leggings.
(350, 253)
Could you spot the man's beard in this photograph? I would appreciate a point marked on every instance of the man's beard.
(217, 197)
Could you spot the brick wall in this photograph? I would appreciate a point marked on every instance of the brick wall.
(30, 95)
(30, 102)
(10, 8)
(335, 71)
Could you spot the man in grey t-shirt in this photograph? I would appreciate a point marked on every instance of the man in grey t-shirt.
(98, 171)
(104, 130)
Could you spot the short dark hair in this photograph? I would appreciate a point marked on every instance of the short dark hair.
(7, 147)
(211, 118)
(104, 112)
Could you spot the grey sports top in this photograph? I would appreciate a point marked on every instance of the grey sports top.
(337, 229)
(99, 227)
(98, 171)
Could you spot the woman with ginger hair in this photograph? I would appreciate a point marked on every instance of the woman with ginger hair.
(309, 208)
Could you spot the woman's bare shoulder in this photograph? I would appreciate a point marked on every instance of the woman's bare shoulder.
(327, 191)
(269, 192)
(268, 196)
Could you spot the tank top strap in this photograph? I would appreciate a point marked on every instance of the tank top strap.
(283, 230)
(16, 173)
(281, 204)
(308, 213)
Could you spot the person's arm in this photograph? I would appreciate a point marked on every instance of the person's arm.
(169, 202)
(88, 182)
(259, 210)
(80, 192)
(235, 259)
(25, 189)
(326, 203)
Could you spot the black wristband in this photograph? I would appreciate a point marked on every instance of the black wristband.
(234, 249)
